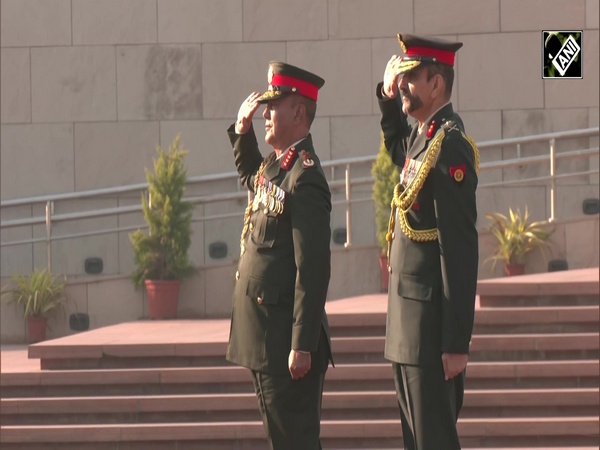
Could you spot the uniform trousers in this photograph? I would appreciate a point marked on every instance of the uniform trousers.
(429, 406)
(291, 409)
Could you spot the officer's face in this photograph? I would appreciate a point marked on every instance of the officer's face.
(415, 90)
(280, 122)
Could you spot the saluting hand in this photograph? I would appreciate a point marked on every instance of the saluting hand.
(454, 363)
(247, 110)
(298, 364)
(390, 77)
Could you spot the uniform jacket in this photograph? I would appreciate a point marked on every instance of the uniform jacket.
(284, 268)
(432, 284)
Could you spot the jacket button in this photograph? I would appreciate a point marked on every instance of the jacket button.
(259, 300)
(237, 275)
(251, 227)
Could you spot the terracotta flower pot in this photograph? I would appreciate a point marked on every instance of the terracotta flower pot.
(163, 298)
(513, 269)
(36, 328)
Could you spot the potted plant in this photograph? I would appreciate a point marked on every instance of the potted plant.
(39, 295)
(161, 253)
(386, 176)
(516, 236)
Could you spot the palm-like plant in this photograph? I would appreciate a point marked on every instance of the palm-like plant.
(517, 236)
(39, 294)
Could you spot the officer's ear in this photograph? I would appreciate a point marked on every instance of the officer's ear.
(439, 85)
(299, 111)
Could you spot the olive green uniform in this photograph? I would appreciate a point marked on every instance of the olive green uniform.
(281, 287)
(432, 282)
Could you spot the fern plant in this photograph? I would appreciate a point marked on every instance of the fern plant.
(386, 176)
(161, 253)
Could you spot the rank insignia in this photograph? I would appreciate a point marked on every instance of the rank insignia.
(431, 129)
(289, 158)
(458, 172)
(307, 161)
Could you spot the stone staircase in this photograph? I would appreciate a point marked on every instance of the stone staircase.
(532, 381)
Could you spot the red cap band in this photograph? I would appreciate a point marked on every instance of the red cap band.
(443, 56)
(304, 88)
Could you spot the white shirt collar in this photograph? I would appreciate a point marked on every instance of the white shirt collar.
(422, 126)
(293, 145)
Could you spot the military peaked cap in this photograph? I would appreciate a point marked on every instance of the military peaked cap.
(424, 50)
(286, 79)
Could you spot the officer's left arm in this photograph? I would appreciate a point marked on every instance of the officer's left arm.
(454, 183)
(311, 233)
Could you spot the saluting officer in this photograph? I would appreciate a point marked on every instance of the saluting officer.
(279, 327)
(433, 242)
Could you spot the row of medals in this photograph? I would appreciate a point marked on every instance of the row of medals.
(270, 195)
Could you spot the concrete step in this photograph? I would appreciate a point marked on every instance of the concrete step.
(229, 379)
(526, 319)
(243, 406)
(495, 347)
(365, 433)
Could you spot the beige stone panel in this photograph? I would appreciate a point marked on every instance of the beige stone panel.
(348, 84)
(73, 84)
(26, 23)
(207, 143)
(349, 19)
(284, 20)
(483, 126)
(500, 199)
(461, 16)
(181, 21)
(36, 160)
(537, 15)
(591, 14)
(321, 137)
(531, 122)
(76, 303)
(594, 160)
(101, 22)
(485, 85)
(115, 301)
(354, 271)
(15, 85)
(17, 258)
(220, 281)
(111, 154)
(159, 82)
(12, 323)
(223, 230)
(571, 93)
(582, 243)
(569, 200)
(355, 136)
(230, 72)
(69, 252)
(191, 298)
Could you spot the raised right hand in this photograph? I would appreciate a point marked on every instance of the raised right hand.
(390, 77)
(247, 110)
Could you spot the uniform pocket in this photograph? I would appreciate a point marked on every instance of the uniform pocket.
(265, 230)
(262, 293)
(416, 287)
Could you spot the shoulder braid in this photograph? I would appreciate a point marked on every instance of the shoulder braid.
(404, 198)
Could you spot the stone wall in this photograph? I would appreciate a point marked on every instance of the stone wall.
(89, 87)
